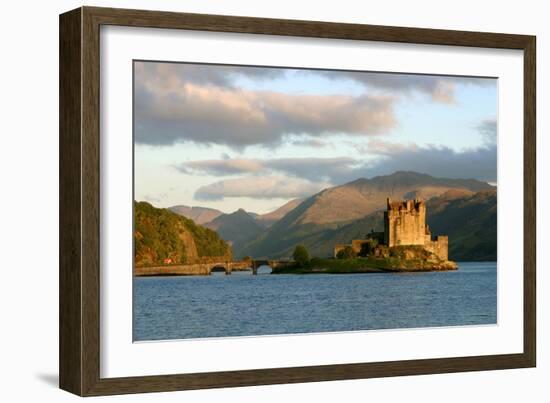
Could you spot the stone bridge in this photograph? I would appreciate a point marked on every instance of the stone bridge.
(274, 264)
(205, 269)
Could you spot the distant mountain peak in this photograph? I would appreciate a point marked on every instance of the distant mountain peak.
(236, 228)
(201, 215)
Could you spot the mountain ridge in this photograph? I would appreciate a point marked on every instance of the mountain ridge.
(334, 208)
(200, 215)
(270, 218)
(235, 228)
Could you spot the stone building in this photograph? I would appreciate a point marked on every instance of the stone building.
(404, 225)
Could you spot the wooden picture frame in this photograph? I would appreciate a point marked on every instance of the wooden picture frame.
(79, 281)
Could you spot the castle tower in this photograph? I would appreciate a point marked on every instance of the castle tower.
(405, 223)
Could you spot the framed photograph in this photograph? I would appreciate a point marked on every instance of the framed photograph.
(249, 201)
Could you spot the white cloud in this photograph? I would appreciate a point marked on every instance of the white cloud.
(488, 129)
(172, 107)
(440, 89)
(440, 161)
(259, 187)
(314, 169)
(384, 158)
(207, 114)
(223, 167)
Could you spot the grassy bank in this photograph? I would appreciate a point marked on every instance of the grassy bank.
(365, 265)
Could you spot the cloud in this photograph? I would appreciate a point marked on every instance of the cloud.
(384, 158)
(440, 89)
(313, 169)
(302, 177)
(155, 75)
(478, 163)
(223, 167)
(260, 188)
(177, 103)
(309, 142)
(488, 129)
(440, 161)
(208, 114)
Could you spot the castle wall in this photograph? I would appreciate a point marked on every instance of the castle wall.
(439, 247)
(405, 223)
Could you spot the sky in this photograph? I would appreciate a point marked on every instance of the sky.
(230, 137)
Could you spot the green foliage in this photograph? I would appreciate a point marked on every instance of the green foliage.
(160, 234)
(300, 255)
(315, 261)
(368, 247)
(362, 265)
(346, 253)
(207, 241)
(470, 222)
(409, 252)
(279, 240)
(336, 266)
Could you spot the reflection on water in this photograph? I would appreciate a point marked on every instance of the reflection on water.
(243, 304)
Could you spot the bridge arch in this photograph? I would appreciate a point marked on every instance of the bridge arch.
(257, 264)
(273, 264)
(218, 268)
(262, 269)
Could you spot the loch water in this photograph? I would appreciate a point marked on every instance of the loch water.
(244, 305)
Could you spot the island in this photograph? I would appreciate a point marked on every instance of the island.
(405, 245)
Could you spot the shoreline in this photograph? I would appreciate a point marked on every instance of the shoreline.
(365, 270)
(321, 266)
(368, 265)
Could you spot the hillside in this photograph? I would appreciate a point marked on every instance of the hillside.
(161, 234)
(470, 221)
(269, 219)
(361, 197)
(200, 215)
(340, 213)
(236, 228)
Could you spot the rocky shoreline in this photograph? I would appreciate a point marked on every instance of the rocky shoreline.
(368, 265)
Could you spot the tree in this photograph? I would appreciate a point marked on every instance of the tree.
(301, 255)
(346, 253)
(368, 248)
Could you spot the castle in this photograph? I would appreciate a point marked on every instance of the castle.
(404, 225)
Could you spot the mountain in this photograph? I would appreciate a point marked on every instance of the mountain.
(321, 242)
(269, 219)
(361, 197)
(469, 220)
(236, 228)
(160, 234)
(200, 215)
(336, 213)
